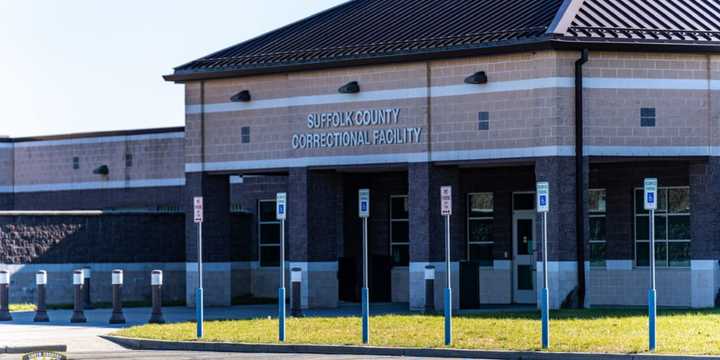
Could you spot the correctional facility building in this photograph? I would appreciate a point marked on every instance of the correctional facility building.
(402, 97)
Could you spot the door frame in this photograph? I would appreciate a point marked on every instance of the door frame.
(527, 296)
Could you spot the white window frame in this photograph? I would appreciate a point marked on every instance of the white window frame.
(392, 221)
(260, 222)
(469, 218)
(666, 215)
(598, 214)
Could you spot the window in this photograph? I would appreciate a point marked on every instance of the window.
(672, 228)
(597, 209)
(480, 223)
(76, 162)
(483, 120)
(647, 117)
(128, 160)
(245, 134)
(268, 234)
(399, 230)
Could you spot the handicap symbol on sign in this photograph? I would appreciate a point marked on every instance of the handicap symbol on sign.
(281, 209)
(650, 198)
(364, 206)
(543, 200)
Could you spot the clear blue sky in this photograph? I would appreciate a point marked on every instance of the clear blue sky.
(86, 65)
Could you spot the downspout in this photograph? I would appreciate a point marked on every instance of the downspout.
(580, 177)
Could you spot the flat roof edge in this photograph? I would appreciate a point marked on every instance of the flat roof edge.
(96, 134)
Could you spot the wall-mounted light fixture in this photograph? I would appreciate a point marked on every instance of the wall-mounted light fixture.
(477, 78)
(243, 96)
(102, 170)
(350, 88)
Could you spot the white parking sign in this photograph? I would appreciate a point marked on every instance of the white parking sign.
(198, 209)
(364, 203)
(281, 206)
(650, 198)
(543, 197)
(446, 200)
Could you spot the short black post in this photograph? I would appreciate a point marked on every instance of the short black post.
(296, 292)
(87, 304)
(117, 316)
(156, 281)
(429, 289)
(41, 311)
(5, 296)
(78, 315)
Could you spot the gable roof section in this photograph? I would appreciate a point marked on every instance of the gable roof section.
(653, 21)
(379, 31)
(371, 29)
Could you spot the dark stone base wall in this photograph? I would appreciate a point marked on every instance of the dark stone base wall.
(620, 181)
(6, 201)
(167, 197)
(148, 238)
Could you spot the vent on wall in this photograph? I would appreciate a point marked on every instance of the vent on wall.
(483, 120)
(245, 134)
(647, 117)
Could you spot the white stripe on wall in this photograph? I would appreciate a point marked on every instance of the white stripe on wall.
(101, 139)
(650, 151)
(4, 145)
(95, 185)
(6, 189)
(463, 89)
(530, 152)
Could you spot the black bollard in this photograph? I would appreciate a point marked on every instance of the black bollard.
(296, 292)
(429, 289)
(156, 282)
(5, 296)
(41, 283)
(87, 304)
(78, 315)
(117, 316)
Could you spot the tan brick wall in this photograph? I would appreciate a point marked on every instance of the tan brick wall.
(684, 117)
(152, 159)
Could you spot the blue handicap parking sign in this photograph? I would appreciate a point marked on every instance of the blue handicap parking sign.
(650, 198)
(281, 209)
(543, 200)
(363, 206)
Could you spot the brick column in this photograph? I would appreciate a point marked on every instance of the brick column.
(215, 189)
(559, 172)
(427, 231)
(314, 214)
(704, 231)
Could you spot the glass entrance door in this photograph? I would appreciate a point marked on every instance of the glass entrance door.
(524, 257)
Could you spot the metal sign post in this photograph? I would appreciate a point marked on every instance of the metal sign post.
(543, 207)
(650, 204)
(198, 218)
(446, 211)
(281, 214)
(364, 213)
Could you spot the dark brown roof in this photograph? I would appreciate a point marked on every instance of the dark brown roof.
(371, 31)
(363, 29)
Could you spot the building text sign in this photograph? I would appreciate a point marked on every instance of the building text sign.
(355, 129)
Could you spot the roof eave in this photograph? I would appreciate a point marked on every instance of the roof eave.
(536, 43)
(634, 45)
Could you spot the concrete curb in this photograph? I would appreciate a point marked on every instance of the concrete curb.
(29, 349)
(142, 344)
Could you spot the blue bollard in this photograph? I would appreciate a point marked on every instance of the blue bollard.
(544, 308)
(365, 315)
(448, 316)
(652, 312)
(199, 311)
(281, 314)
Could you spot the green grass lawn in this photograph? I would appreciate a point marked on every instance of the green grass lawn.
(607, 331)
